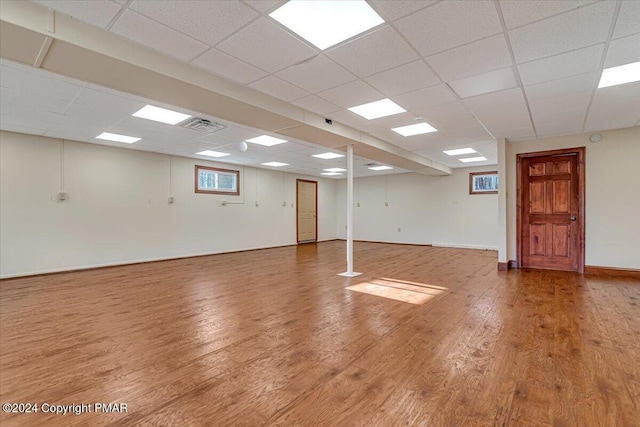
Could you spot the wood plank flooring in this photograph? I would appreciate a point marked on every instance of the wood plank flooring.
(273, 337)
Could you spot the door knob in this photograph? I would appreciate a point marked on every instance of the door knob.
(573, 218)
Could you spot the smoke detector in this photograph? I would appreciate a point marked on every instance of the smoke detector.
(204, 125)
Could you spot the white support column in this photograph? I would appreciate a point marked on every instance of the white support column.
(349, 272)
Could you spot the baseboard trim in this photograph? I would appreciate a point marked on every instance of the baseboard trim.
(463, 246)
(146, 261)
(596, 270)
(388, 243)
(504, 266)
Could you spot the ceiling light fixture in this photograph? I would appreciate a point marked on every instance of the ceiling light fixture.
(328, 156)
(620, 75)
(326, 23)
(380, 168)
(459, 151)
(118, 138)
(161, 115)
(335, 170)
(266, 140)
(331, 173)
(275, 164)
(417, 129)
(375, 110)
(473, 159)
(212, 153)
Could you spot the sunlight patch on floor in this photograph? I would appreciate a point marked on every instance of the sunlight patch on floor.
(399, 290)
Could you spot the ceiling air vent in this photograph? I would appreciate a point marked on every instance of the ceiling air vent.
(203, 125)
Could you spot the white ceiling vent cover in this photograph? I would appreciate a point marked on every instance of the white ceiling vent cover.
(203, 125)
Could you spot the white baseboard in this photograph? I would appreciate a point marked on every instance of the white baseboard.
(463, 246)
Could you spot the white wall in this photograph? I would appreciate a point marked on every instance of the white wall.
(612, 194)
(427, 209)
(117, 210)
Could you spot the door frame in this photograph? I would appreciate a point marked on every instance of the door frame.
(298, 208)
(520, 204)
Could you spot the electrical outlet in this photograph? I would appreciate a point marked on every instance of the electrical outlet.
(358, 204)
(62, 196)
(223, 203)
(257, 204)
(386, 203)
(284, 204)
(171, 200)
(399, 229)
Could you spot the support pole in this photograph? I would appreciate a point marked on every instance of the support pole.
(349, 272)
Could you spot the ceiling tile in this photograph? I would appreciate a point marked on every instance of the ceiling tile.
(525, 133)
(471, 59)
(423, 98)
(405, 78)
(11, 97)
(550, 106)
(623, 51)
(511, 117)
(566, 86)
(545, 120)
(567, 64)
(485, 83)
(39, 84)
(93, 98)
(441, 116)
(377, 51)
(395, 120)
(279, 88)
(628, 19)
(614, 107)
(318, 74)
(198, 19)
(265, 6)
(432, 30)
(316, 105)
(521, 12)
(351, 94)
(96, 12)
(145, 31)
(490, 101)
(391, 10)
(568, 31)
(266, 45)
(228, 66)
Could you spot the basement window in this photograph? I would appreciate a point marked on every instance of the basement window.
(217, 181)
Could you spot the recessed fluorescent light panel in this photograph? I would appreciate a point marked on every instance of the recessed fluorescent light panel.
(380, 168)
(118, 138)
(375, 110)
(620, 75)
(328, 156)
(335, 170)
(266, 140)
(459, 151)
(161, 115)
(417, 129)
(473, 159)
(212, 153)
(326, 23)
(275, 164)
(331, 173)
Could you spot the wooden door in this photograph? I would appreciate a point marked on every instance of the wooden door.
(307, 218)
(551, 210)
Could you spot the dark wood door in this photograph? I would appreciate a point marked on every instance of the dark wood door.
(551, 210)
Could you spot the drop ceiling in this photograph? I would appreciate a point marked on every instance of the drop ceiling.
(37, 102)
(475, 70)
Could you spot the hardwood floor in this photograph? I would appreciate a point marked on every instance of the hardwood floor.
(272, 337)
